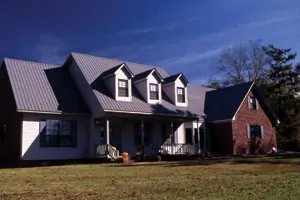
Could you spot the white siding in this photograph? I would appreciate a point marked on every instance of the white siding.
(86, 90)
(111, 85)
(31, 149)
(142, 88)
(180, 134)
(169, 89)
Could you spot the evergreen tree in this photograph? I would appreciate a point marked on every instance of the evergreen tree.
(283, 87)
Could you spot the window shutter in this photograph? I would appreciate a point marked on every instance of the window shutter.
(249, 102)
(262, 131)
(74, 133)
(257, 104)
(248, 131)
(42, 132)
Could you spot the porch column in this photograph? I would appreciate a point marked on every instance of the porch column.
(172, 137)
(193, 134)
(198, 135)
(142, 137)
(107, 131)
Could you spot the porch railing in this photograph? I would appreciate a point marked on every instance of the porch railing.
(178, 149)
(106, 150)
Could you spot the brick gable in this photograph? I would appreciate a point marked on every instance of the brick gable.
(241, 143)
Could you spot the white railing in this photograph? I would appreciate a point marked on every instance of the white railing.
(178, 149)
(106, 150)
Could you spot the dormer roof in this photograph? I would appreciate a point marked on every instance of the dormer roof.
(145, 74)
(113, 70)
(173, 78)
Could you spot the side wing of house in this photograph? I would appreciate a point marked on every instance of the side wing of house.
(252, 129)
(41, 141)
(10, 122)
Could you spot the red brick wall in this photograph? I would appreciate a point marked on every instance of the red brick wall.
(239, 130)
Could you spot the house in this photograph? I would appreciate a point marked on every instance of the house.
(92, 107)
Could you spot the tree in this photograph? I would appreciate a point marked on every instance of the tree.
(283, 85)
(243, 63)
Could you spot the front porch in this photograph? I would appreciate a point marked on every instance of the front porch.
(145, 135)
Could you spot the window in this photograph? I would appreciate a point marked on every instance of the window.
(58, 133)
(123, 88)
(252, 103)
(188, 136)
(255, 131)
(154, 95)
(180, 95)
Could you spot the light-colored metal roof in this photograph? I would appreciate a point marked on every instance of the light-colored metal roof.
(92, 67)
(43, 88)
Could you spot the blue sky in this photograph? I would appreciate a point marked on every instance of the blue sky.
(181, 36)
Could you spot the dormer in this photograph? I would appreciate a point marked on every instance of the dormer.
(175, 87)
(118, 81)
(148, 84)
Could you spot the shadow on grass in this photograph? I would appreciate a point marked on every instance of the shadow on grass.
(273, 159)
(282, 159)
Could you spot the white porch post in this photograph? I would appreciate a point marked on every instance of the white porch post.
(193, 134)
(198, 135)
(107, 131)
(172, 137)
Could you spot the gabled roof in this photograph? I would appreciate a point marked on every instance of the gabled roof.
(173, 78)
(145, 74)
(43, 88)
(113, 70)
(92, 67)
(222, 104)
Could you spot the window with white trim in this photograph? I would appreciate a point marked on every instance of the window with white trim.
(255, 131)
(252, 103)
(154, 91)
(123, 88)
(58, 133)
(180, 95)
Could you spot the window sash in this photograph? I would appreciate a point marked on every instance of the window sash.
(181, 95)
(154, 93)
(252, 103)
(123, 88)
(59, 133)
(255, 131)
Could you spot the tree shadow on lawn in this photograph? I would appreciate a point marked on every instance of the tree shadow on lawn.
(282, 159)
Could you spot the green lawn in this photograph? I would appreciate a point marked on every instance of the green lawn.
(255, 178)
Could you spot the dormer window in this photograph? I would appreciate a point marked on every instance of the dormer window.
(123, 88)
(175, 87)
(181, 95)
(154, 91)
(118, 82)
(148, 83)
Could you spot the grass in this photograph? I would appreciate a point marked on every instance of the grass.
(252, 178)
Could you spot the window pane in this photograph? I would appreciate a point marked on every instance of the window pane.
(153, 87)
(60, 133)
(123, 83)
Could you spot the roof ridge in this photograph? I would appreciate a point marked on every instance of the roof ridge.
(114, 59)
(33, 62)
(240, 84)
